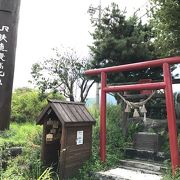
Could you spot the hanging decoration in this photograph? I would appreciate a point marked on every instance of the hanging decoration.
(49, 122)
(136, 113)
(49, 137)
(55, 124)
(128, 108)
(137, 105)
(143, 111)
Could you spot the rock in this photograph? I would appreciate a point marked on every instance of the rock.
(14, 151)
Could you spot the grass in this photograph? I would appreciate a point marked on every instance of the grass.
(20, 134)
(169, 176)
(27, 165)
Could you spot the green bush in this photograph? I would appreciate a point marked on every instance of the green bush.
(169, 176)
(27, 104)
(27, 165)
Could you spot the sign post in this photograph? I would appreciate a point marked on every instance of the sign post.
(9, 15)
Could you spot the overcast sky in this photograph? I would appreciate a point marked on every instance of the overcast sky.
(45, 24)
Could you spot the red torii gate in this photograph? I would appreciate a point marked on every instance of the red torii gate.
(166, 85)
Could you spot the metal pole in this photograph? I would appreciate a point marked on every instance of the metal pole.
(97, 95)
(173, 141)
(97, 84)
(100, 11)
(9, 15)
(103, 118)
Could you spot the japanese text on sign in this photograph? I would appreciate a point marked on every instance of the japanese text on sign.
(3, 42)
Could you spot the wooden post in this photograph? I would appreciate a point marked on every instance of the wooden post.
(63, 152)
(103, 118)
(9, 15)
(171, 116)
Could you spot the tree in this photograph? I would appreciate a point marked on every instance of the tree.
(63, 73)
(166, 26)
(119, 40)
(26, 104)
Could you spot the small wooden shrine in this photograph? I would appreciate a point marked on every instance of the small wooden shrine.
(67, 136)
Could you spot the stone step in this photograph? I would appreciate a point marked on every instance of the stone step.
(143, 166)
(132, 153)
(140, 170)
(126, 174)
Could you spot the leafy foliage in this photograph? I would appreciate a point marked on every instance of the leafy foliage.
(27, 165)
(63, 73)
(169, 176)
(27, 104)
(48, 174)
(166, 25)
(119, 40)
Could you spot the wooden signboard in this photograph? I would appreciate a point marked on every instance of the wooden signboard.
(9, 10)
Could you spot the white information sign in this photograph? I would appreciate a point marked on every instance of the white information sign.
(79, 139)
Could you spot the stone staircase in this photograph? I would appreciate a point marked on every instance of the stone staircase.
(144, 161)
(133, 170)
(147, 155)
(143, 166)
